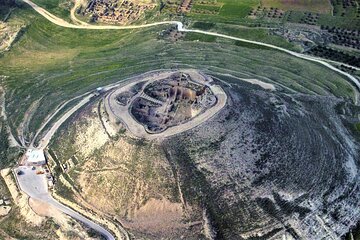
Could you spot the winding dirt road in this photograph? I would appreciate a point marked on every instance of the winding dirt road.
(180, 27)
(60, 22)
(50, 118)
(46, 139)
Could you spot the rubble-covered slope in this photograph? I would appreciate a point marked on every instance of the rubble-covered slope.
(271, 162)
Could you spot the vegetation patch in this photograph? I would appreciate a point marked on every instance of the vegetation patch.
(8, 154)
(357, 127)
(206, 9)
(319, 6)
(346, 8)
(260, 35)
(341, 22)
(335, 55)
(238, 9)
(64, 191)
(15, 226)
(60, 8)
(250, 45)
(199, 37)
(204, 25)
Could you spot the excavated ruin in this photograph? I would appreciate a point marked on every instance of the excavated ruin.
(171, 102)
(165, 103)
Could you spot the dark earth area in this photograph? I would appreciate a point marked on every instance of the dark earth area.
(171, 102)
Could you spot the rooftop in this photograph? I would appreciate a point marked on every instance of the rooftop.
(35, 156)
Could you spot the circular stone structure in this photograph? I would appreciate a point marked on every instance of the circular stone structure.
(165, 103)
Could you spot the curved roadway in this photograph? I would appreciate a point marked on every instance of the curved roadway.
(35, 186)
(180, 27)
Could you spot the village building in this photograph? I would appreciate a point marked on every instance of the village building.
(35, 157)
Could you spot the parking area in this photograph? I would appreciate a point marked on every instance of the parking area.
(33, 181)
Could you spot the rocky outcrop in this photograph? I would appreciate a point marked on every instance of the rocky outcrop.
(272, 164)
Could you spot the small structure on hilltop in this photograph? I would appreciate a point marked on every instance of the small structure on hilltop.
(35, 157)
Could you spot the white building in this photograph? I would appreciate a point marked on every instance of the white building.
(35, 157)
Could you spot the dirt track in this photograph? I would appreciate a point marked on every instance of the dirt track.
(181, 28)
(46, 139)
(73, 16)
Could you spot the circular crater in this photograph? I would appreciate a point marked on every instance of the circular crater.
(165, 103)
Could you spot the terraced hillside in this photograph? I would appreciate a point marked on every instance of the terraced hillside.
(51, 65)
(234, 168)
(281, 159)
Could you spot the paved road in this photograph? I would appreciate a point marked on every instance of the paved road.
(50, 118)
(35, 186)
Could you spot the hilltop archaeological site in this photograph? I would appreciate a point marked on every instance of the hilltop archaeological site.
(180, 119)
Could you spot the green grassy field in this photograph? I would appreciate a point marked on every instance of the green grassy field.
(260, 35)
(349, 9)
(227, 11)
(237, 12)
(204, 7)
(318, 6)
(237, 9)
(60, 8)
(52, 64)
(199, 37)
(341, 22)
